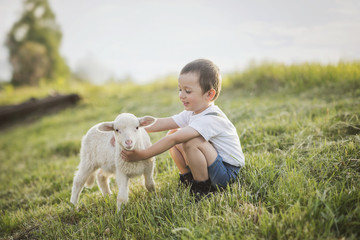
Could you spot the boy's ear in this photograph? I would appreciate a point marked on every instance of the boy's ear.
(211, 94)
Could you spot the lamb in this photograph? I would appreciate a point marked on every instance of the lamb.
(97, 152)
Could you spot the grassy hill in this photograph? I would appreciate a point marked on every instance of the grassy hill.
(299, 127)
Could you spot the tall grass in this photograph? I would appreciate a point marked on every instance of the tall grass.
(270, 76)
(301, 179)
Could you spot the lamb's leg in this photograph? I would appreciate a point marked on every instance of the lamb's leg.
(103, 182)
(90, 181)
(149, 180)
(78, 184)
(123, 184)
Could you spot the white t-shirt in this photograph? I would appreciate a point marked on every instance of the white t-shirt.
(213, 125)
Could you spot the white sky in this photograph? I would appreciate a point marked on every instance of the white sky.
(147, 39)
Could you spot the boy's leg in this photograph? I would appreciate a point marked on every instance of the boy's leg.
(177, 154)
(196, 153)
(199, 154)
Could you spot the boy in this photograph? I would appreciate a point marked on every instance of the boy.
(203, 142)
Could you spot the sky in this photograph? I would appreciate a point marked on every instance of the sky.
(149, 39)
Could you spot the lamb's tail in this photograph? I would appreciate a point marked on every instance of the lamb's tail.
(91, 180)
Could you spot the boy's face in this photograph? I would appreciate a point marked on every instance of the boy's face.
(191, 94)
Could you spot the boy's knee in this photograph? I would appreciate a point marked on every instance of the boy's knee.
(194, 143)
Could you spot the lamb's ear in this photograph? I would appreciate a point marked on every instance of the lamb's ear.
(146, 121)
(106, 126)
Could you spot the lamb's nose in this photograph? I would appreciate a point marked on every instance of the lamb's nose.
(128, 142)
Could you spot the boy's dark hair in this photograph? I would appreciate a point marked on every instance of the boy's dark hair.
(209, 75)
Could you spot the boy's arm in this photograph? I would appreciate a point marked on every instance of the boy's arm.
(162, 124)
(167, 142)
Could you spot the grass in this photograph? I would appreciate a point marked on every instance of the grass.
(301, 179)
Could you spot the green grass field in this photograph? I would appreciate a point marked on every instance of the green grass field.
(299, 127)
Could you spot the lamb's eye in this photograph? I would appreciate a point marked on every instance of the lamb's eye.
(137, 128)
(117, 130)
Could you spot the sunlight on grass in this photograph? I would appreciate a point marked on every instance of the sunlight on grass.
(300, 137)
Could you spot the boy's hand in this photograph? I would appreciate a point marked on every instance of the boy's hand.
(131, 156)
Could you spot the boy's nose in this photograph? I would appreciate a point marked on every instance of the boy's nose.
(181, 94)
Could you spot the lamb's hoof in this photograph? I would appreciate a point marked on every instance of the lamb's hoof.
(108, 194)
(151, 188)
(120, 205)
(72, 203)
(72, 206)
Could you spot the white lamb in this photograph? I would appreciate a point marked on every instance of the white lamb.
(97, 152)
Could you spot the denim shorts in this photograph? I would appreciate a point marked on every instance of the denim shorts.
(222, 173)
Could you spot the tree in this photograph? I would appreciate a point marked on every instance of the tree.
(33, 44)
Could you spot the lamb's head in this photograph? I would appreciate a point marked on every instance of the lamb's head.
(126, 128)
